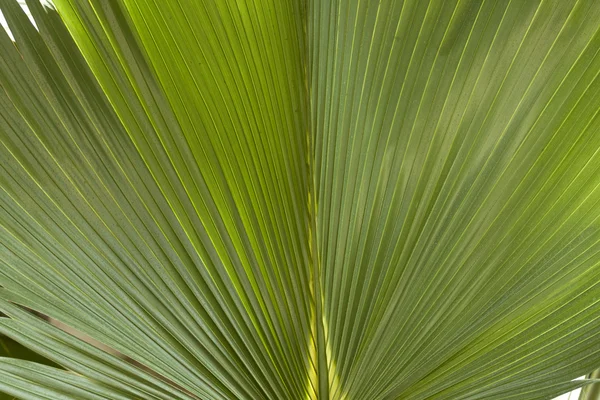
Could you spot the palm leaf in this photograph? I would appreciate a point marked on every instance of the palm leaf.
(13, 352)
(326, 199)
(592, 391)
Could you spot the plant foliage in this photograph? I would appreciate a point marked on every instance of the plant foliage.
(300, 199)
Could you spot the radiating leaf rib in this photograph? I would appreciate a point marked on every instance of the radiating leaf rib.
(29, 380)
(455, 144)
(12, 349)
(84, 358)
(160, 218)
(286, 199)
(591, 391)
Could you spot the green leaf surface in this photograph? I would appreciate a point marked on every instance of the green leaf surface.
(456, 146)
(167, 227)
(289, 199)
(16, 351)
(592, 391)
(12, 349)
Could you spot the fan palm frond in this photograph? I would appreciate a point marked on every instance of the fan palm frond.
(286, 199)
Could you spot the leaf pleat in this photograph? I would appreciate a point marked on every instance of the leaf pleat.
(145, 206)
(320, 199)
(456, 163)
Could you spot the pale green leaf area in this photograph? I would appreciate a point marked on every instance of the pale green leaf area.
(300, 199)
(18, 352)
